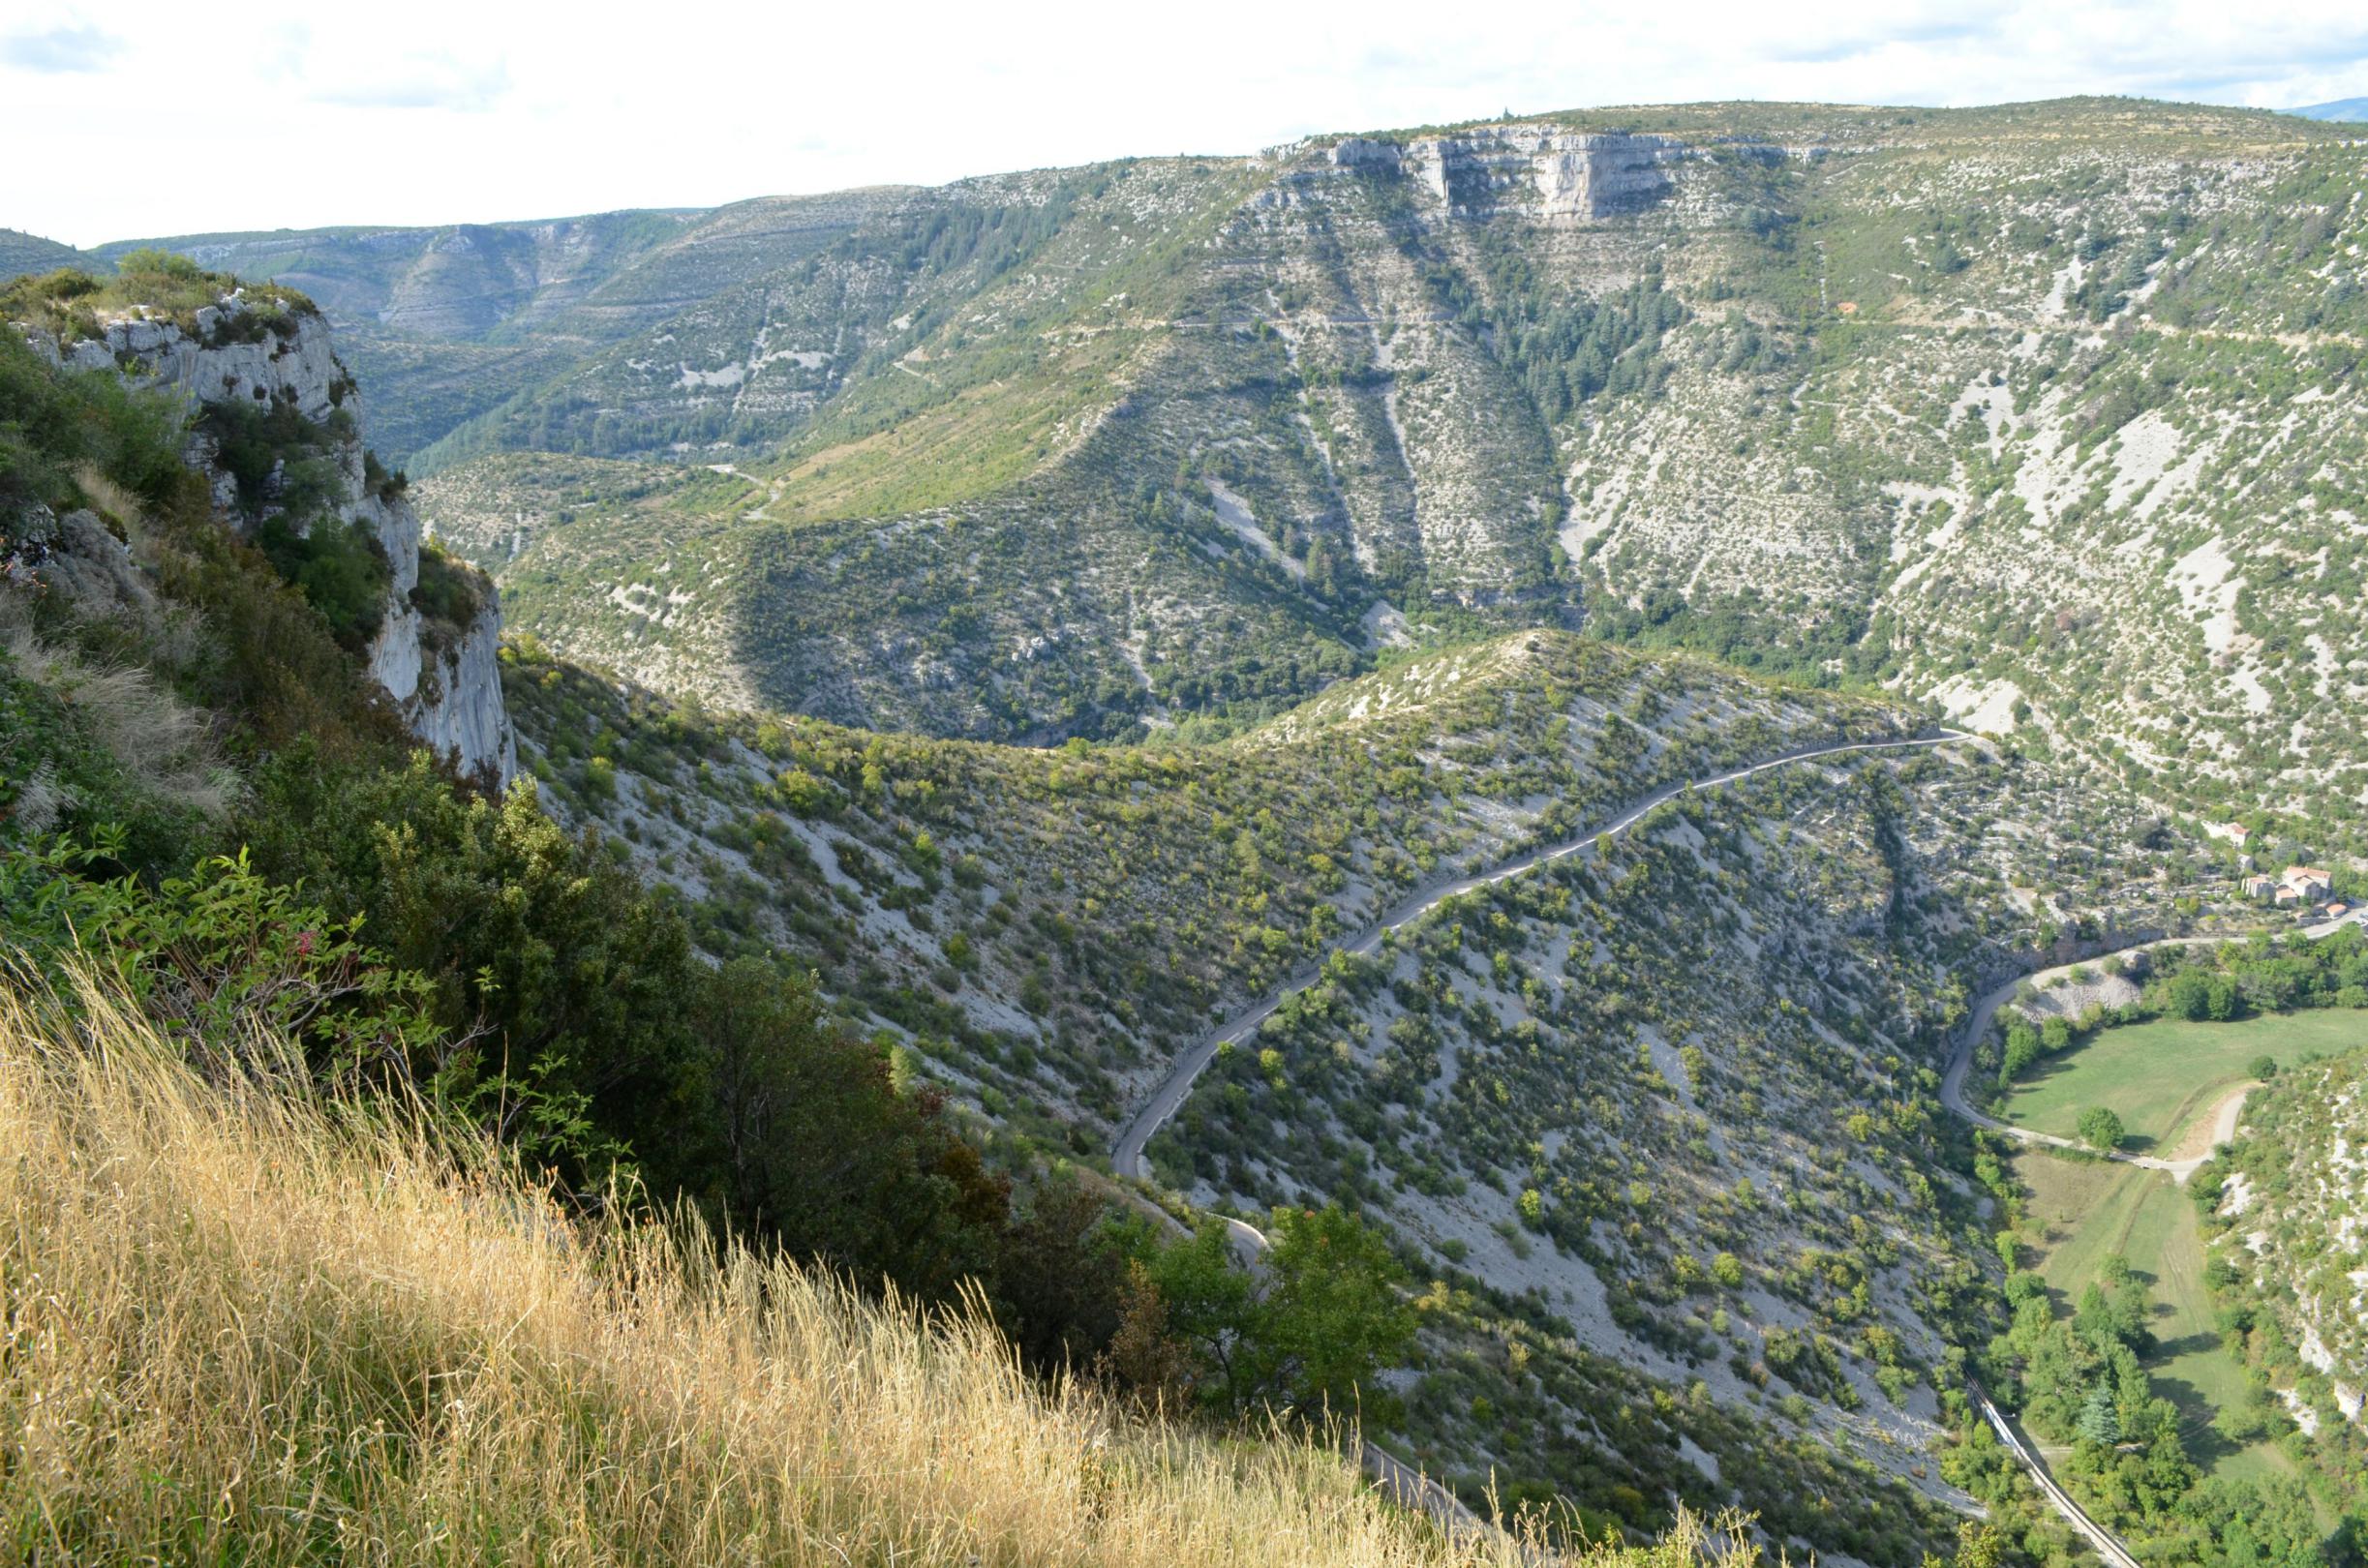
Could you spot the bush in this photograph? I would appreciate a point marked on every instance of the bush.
(449, 593)
(339, 569)
(2101, 1129)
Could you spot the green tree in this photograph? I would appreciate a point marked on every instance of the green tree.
(2100, 1422)
(2221, 998)
(1322, 1315)
(1062, 1277)
(2021, 1050)
(1332, 1316)
(2189, 994)
(2101, 1129)
(1206, 1304)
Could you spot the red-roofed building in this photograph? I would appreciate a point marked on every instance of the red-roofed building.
(2307, 883)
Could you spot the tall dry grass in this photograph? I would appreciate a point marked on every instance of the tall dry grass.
(164, 748)
(249, 1325)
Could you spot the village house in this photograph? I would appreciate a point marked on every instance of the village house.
(2259, 889)
(2308, 884)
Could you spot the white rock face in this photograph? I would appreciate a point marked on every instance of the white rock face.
(1360, 152)
(1555, 175)
(447, 686)
(455, 703)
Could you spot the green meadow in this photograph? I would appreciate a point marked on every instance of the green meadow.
(2162, 1076)
(2079, 1212)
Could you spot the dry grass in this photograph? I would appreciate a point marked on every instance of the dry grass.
(251, 1324)
(165, 749)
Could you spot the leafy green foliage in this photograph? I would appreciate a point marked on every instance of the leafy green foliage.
(52, 424)
(338, 568)
(1306, 1331)
(69, 302)
(286, 467)
(2101, 1129)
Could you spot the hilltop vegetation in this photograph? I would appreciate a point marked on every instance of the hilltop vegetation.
(21, 253)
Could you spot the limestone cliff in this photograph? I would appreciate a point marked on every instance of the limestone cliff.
(436, 660)
(1550, 174)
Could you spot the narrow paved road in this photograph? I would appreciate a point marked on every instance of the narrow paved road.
(1409, 1487)
(2108, 1545)
(1127, 1152)
(1960, 1060)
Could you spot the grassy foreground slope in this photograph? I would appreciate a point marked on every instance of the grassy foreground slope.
(248, 1321)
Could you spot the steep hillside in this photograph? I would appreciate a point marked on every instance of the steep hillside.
(2064, 437)
(1997, 405)
(2292, 1201)
(1054, 923)
(1564, 1098)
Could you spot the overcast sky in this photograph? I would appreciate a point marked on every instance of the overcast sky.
(146, 117)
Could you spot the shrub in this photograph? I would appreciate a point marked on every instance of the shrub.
(339, 569)
(2101, 1129)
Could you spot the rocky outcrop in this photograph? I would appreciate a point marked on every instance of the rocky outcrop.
(445, 679)
(1360, 152)
(1552, 175)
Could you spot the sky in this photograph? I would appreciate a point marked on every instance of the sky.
(154, 117)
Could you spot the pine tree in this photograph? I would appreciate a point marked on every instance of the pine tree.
(2100, 1422)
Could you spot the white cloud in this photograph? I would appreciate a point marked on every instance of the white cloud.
(414, 82)
(305, 115)
(61, 51)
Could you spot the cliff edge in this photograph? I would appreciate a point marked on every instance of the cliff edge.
(276, 426)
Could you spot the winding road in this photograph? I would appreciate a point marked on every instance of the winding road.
(1406, 1485)
(1168, 1096)
(2108, 1545)
(1960, 1060)
(1411, 1487)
